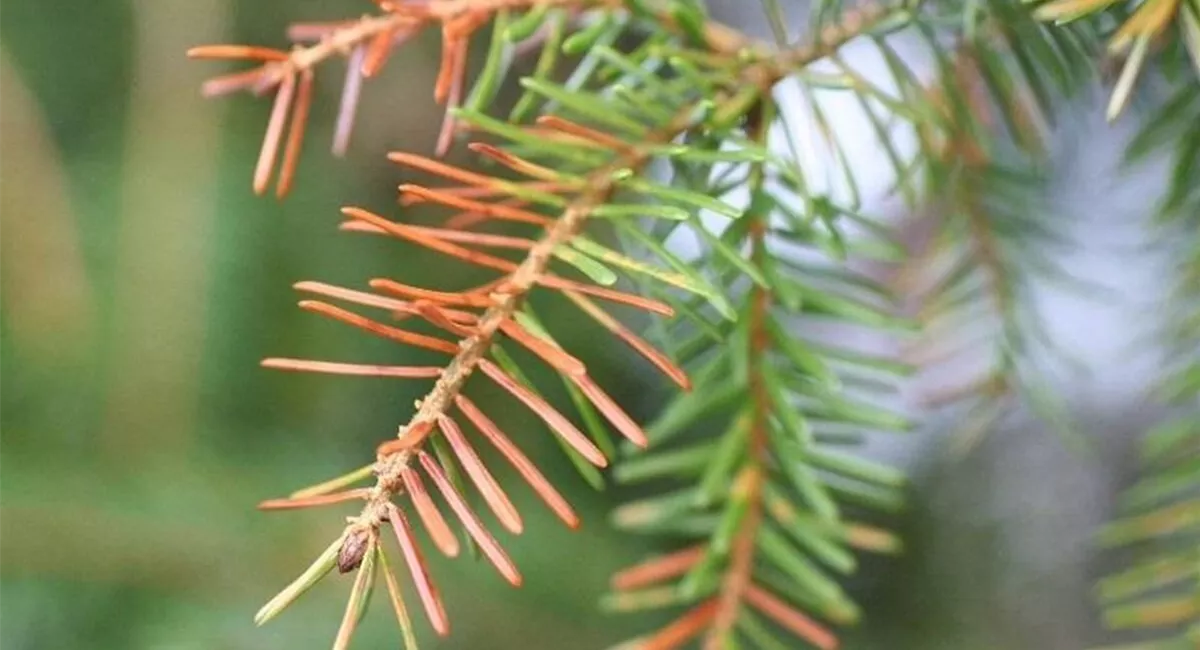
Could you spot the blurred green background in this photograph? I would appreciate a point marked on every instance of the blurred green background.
(142, 283)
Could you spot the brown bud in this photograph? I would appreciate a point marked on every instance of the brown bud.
(353, 549)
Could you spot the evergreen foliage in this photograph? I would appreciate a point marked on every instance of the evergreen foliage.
(645, 123)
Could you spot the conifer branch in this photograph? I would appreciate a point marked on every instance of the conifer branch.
(977, 267)
(748, 484)
(751, 73)
(737, 493)
(1139, 26)
(508, 297)
(1159, 517)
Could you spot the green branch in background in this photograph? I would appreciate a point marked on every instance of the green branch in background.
(981, 124)
(1160, 590)
(755, 479)
(1142, 24)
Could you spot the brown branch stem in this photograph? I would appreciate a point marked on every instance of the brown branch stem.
(987, 249)
(719, 38)
(749, 483)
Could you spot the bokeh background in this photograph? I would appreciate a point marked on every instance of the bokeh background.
(142, 282)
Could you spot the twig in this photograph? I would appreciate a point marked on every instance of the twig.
(749, 483)
(345, 39)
